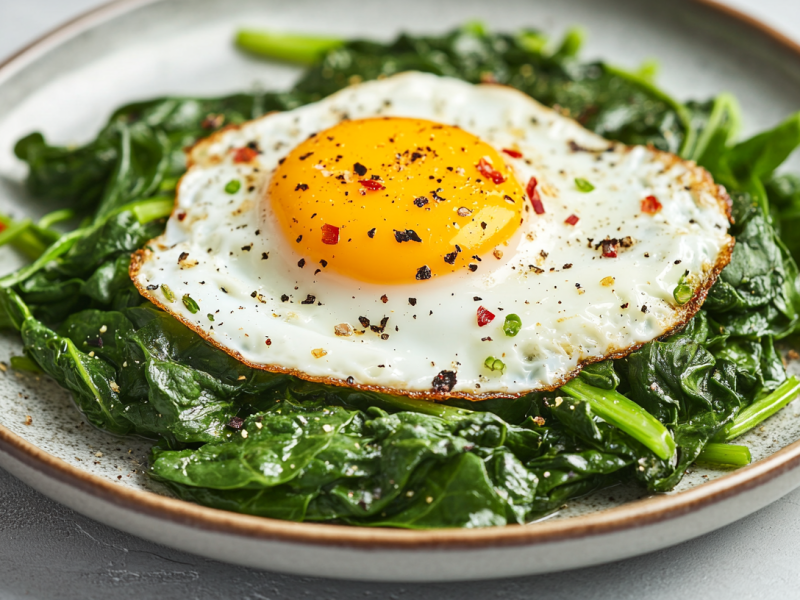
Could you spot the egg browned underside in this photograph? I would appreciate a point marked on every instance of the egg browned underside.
(341, 254)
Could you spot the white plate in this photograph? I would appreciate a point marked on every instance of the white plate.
(67, 84)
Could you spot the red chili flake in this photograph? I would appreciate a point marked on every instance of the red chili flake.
(330, 234)
(651, 205)
(181, 217)
(384, 298)
(371, 184)
(268, 342)
(484, 316)
(243, 155)
(533, 194)
(486, 169)
(3, 227)
(610, 248)
(513, 153)
(572, 219)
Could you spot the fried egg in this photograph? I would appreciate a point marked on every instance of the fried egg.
(424, 236)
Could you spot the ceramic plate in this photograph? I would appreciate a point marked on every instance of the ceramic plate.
(67, 84)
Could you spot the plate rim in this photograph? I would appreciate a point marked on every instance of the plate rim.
(636, 514)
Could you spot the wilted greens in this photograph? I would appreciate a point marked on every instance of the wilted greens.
(272, 445)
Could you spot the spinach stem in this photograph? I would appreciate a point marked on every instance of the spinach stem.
(62, 245)
(616, 409)
(760, 410)
(725, 454)
(55, 217)
(303, 49)
(25, 241)
(425, 407)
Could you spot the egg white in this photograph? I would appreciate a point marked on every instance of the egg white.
(576, 306)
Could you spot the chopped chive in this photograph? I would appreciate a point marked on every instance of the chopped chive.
(233, 186)
(210, 317)
(512, 325)
(583, 185)
(165, 289)
(682, 293)
(190, 304)
(725, 454)
(494, 364)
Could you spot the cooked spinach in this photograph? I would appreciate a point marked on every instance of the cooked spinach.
(269, 444)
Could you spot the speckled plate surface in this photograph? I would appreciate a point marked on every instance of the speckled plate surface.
(68, 83)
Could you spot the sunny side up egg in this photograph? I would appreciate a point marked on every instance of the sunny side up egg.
(425, 236)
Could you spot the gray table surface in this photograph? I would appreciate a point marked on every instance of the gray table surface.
(48, 551)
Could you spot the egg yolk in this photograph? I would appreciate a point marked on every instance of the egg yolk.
(395, 200)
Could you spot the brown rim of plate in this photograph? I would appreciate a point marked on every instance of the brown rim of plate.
(636, 514)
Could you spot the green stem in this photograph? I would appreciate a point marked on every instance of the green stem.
(725, 454)
(616, 409)
(55, 217)
(425, 407)
(150, 210)
(12, 231)
(682, 112)
(26, 242)
(62, 245)
(760, 410)
(303, 49)
(724, 104)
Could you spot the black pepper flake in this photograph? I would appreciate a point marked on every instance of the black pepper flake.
(644, 308)
(412, 301)
(423, 273)
(444, 381)
(384, 298)
(408, 235)
(360, 169)
(415, 156)
(306, 155)
(483, 224)
(421, 201)
(317, 271)
(677, 262)
(324, 263)
(473, 267)
(299, 239)
(301, 187)
(264, 255)
(380, 328)
(247, 248)
(624, 305)
(437, 197)
(183, 257)
(236, 423)
(152, 287)
(486, 339)
(301, 263)
(477, 298)
(384, 336)
(225, 292)
(350, 380)
(567, 266)
(371, 233)
(451, 257)
(364, 322)
(310, 299)
(254, 294)
(284, 298)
